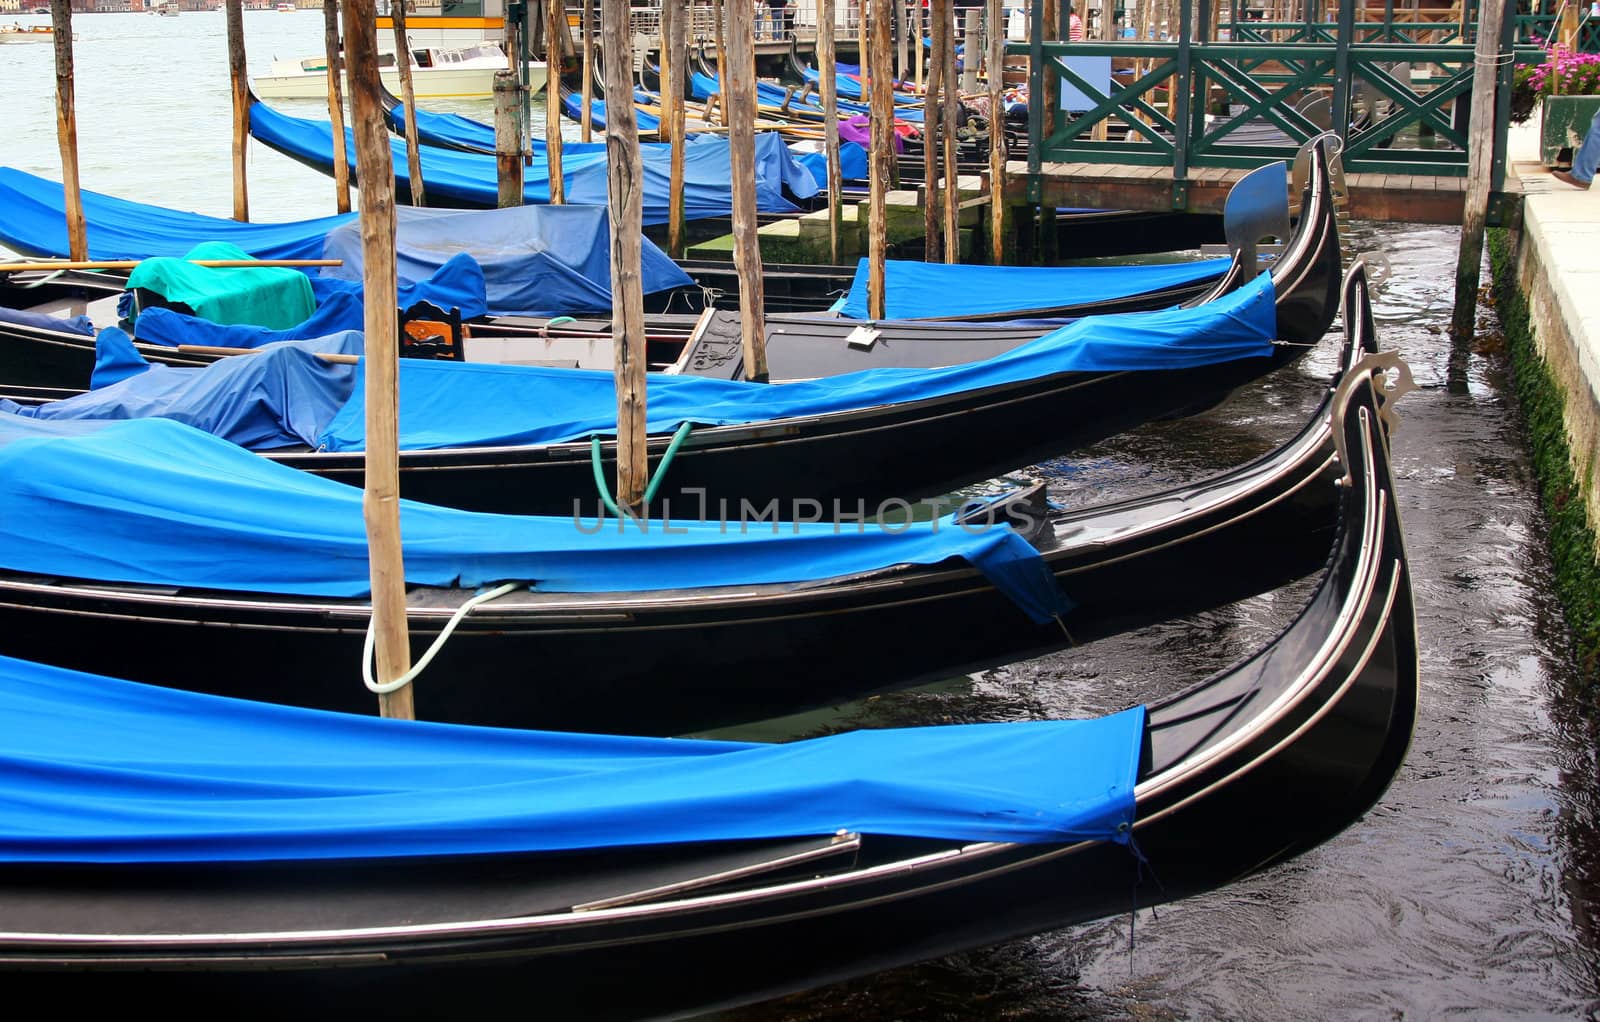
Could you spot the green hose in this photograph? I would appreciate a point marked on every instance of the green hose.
(666, 459)
(600, 477)
(678, 438)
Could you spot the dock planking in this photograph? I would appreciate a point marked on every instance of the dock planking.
(1397, 198)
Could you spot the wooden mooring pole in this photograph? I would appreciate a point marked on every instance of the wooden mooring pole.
(882, 142)
(997, 133)
(720, 24)
(408, 96)
(555, 32)
(1480, 165)
(241, 106)
(739, 103)
(381, 502)
(335, 52)
(625, 194)
(674, 73)
(828, 69)
(949, 109)
(930, 138)
(916, 41)
(508, 139)
(67, 129)
(552, 87)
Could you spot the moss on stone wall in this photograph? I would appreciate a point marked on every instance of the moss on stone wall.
(1572, 537)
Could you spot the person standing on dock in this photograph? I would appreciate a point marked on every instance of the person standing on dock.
(1585, 160)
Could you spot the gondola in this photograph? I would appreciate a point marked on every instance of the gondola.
(1231, 776)
(881, 452)
(680, 659)
(46, 343)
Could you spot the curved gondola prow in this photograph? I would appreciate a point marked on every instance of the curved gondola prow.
(1296, 742)
(1306, 274)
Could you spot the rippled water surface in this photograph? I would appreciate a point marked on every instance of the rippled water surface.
(1466, 892)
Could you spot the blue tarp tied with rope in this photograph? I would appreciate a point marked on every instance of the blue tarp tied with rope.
(157, 502)
(916, 290)
(97, 770)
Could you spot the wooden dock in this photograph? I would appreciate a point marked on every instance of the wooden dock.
(1402, 198)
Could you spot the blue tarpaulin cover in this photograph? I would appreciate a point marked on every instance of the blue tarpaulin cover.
(853, 164)
(572, 106)
(458, 405)
(471, 179)
(937, 290)
(155, 501)
(539, 255)
(458, 284)
(99, 770)
(536, 260)
(281, 397)
(35, 224)
(450, 280)
(43, 321)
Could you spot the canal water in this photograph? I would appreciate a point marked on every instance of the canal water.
(1467, 891)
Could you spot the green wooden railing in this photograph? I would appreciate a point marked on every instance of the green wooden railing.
(1400, 107)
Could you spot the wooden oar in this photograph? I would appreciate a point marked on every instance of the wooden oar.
(207, 349)
(128, 264)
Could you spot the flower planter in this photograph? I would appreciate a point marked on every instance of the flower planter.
(1563, 121)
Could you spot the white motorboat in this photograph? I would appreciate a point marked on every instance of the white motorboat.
(15, 33)
(436, 72)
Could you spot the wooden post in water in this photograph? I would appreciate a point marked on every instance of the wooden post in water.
(330, 45)
(241, 106)
(930, 137)
(508, 142)
(862, 59)
(674, 72)
(916, 40)
(902, 22)
(552, 88)
(719, 20)
(969, 63)
(555, 30)
(949, 109)
(408, 96)
(625, 191)
(882, 142)
(67, 129)
(997, 133)
(1480, 165)
(827, 71)
(381, 503)
(1052, 25)
(739, 103)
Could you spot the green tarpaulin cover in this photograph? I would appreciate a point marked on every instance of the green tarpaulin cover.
(269, 296)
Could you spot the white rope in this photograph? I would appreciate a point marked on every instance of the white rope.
(438, 643)
(47, 278)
